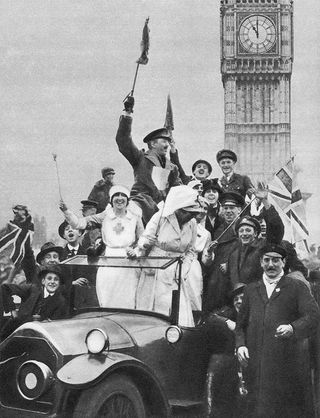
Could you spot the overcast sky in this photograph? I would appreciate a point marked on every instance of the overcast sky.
(66, 66)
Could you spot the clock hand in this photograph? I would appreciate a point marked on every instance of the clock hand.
(257, 31)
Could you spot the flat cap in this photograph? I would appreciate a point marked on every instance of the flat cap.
(19, 207)
(158, 133)
(194, 165)
(274, 250)
(89, 203)
(107, 170)
(226, 153)
(250, 221)
(232, 198)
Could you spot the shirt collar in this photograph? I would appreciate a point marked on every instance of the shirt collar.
(70, 248)
(275, 280)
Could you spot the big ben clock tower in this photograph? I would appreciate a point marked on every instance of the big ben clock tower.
(256, 67)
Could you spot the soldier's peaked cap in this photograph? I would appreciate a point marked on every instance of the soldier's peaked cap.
(158, 133)
(226, 153)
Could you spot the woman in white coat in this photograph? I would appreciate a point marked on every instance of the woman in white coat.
(171, 232)
(120, 229)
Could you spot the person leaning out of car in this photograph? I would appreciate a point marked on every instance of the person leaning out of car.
(36, 304)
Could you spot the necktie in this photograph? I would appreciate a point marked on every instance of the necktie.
(72, 253)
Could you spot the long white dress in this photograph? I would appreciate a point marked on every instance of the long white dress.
(165, 238)
(115, 287)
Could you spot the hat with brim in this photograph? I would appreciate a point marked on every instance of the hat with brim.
(249, 221)
(48, 247)
(158, 133)
(54, 268)
(273, 250)
(237, 288)
(194, 165)
(89, 203)
(17, 208)
(226, 153)
(62, 228)
(232, 198)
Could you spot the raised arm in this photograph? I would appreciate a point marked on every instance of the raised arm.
(80, 223)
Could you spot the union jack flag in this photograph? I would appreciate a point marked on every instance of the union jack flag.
(286, 197)
(14, 239)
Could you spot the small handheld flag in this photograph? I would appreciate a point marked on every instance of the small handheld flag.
(145, 42)
(144, 55)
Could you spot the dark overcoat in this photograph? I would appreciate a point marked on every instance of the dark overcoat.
(218, 282)
(144, 191)
(100, 194)
(276, 375)
(244, 261)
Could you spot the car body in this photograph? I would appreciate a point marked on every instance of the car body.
(147, 363)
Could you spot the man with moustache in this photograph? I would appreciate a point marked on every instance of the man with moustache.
(277, 312)
(154, 174)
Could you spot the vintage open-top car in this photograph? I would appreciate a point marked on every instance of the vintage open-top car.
(110, 362)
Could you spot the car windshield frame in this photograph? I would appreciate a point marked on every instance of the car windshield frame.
(158, 263)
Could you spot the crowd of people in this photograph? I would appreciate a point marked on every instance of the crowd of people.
(238, 274)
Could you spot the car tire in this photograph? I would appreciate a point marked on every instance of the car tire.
(115, 397)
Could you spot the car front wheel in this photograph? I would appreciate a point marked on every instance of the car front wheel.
(116, 397)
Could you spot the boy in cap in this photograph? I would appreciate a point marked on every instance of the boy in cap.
(277, 313)
(154, 174)
(37, 303)
(100, 191)
(231, 181)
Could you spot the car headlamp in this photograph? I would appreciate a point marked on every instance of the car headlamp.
(33, 379)
(173, 334)
(97, 341)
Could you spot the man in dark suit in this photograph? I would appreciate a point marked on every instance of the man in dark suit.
(36, 304)
(154, 174)
(277, 313)
(79, 288)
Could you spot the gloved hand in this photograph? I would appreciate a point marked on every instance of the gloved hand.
(128, 104)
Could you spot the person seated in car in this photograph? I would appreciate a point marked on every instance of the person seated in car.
(36, 304)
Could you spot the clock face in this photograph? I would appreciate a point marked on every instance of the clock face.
(257, 34)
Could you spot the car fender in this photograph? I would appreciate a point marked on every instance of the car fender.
(87, 368)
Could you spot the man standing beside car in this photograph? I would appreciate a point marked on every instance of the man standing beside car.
(276, 312)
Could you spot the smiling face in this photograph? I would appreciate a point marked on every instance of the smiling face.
(247, 234)
(272, 264)
(159, 145)
(51, 282)
(119, 201)
(201, 171)
(71, 235)
(227, 166)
